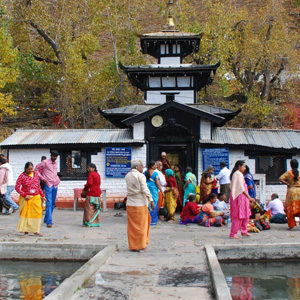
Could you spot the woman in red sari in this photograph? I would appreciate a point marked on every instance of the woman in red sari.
(91, 215)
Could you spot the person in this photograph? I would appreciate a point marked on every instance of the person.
(224, 179)
(190, 212)
(9, 186)
(239, 201)
(208, 216)
(250, 183)
(276, 208)
(165, 163)
(91, 214)
(35, 169)
(3, 188)
(206, 183)
(163, 184)
(171, 194)
(190, 184)
(256, 210)
(179, 182)
(47, 171)
(154, 186)
(28, 186)
(292, 203)
(138, 199)
(220, 204)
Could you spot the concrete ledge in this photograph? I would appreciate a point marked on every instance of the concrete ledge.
(70, 285)
(219, 283)
(48, 251)
(258, 252)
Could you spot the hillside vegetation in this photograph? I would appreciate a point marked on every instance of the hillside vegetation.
(59, 59)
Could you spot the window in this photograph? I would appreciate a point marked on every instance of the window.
(73, 164)
(273, 166)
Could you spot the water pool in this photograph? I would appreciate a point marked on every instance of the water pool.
(263, 280)
(32, 280)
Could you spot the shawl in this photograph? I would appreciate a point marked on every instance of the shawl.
(237, 184)
(192, 178)
(169, 172)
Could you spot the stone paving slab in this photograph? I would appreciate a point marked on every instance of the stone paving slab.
(174, 253)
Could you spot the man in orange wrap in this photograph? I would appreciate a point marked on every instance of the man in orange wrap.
(138, 200)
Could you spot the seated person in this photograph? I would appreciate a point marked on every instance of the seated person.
(258, 216)
(275, 206)
(220, 204)
(257, 211)
(208, 216)
(190, 212)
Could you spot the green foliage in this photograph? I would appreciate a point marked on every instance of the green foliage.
(8, 68)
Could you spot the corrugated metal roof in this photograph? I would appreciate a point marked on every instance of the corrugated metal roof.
(69, 136)
(138, 109)
(271, 138)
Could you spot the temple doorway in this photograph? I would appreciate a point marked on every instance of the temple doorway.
(183, 154)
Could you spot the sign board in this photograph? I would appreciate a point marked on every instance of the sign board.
(117, 161)
(213, 156)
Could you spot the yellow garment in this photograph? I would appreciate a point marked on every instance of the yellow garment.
(170, 203)
(30, 214)
(31, 289)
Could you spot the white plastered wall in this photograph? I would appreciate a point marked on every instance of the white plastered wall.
(113, 186)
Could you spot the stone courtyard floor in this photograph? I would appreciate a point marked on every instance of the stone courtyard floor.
(174, 265)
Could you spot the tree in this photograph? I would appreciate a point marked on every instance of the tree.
(258, 55)
(8, 67)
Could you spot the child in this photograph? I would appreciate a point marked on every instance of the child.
(208, 216)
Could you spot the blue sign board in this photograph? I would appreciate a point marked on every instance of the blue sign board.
(117, 161)
(213, 156)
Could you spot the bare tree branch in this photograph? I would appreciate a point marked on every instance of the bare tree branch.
(48, 39)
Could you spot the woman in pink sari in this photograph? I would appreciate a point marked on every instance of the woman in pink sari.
(239, 201)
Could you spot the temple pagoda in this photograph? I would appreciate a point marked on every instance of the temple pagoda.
(170, 119)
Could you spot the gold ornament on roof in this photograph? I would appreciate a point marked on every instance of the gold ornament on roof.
(170, 19)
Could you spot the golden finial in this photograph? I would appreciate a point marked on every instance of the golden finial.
(170, 19)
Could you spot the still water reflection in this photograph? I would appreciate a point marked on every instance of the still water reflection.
(263, 280)
(32, 280)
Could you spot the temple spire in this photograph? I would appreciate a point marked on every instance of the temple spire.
(170, 19)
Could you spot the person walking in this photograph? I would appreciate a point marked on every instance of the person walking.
(28, 186)
(239, 201)
(138, 200)
(224, 179)
(91, 214)
(9, 186)
(47, 172)
(292, 202)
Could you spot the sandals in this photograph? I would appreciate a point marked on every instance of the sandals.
(38, 234)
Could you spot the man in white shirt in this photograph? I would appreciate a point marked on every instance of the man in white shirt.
(277, 210)
(224, 179)
(10, 186)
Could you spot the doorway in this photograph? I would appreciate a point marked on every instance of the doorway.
(184, 154)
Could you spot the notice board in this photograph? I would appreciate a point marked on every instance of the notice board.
(117, 161)
(213, 156)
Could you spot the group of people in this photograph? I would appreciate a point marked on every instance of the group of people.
(155, 193)
(157, 189)
(37, 188)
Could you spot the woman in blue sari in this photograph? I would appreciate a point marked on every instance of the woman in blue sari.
(190, 184)
(153, 184)
(250, 183)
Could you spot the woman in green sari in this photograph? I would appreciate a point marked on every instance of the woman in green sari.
(190, 184)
